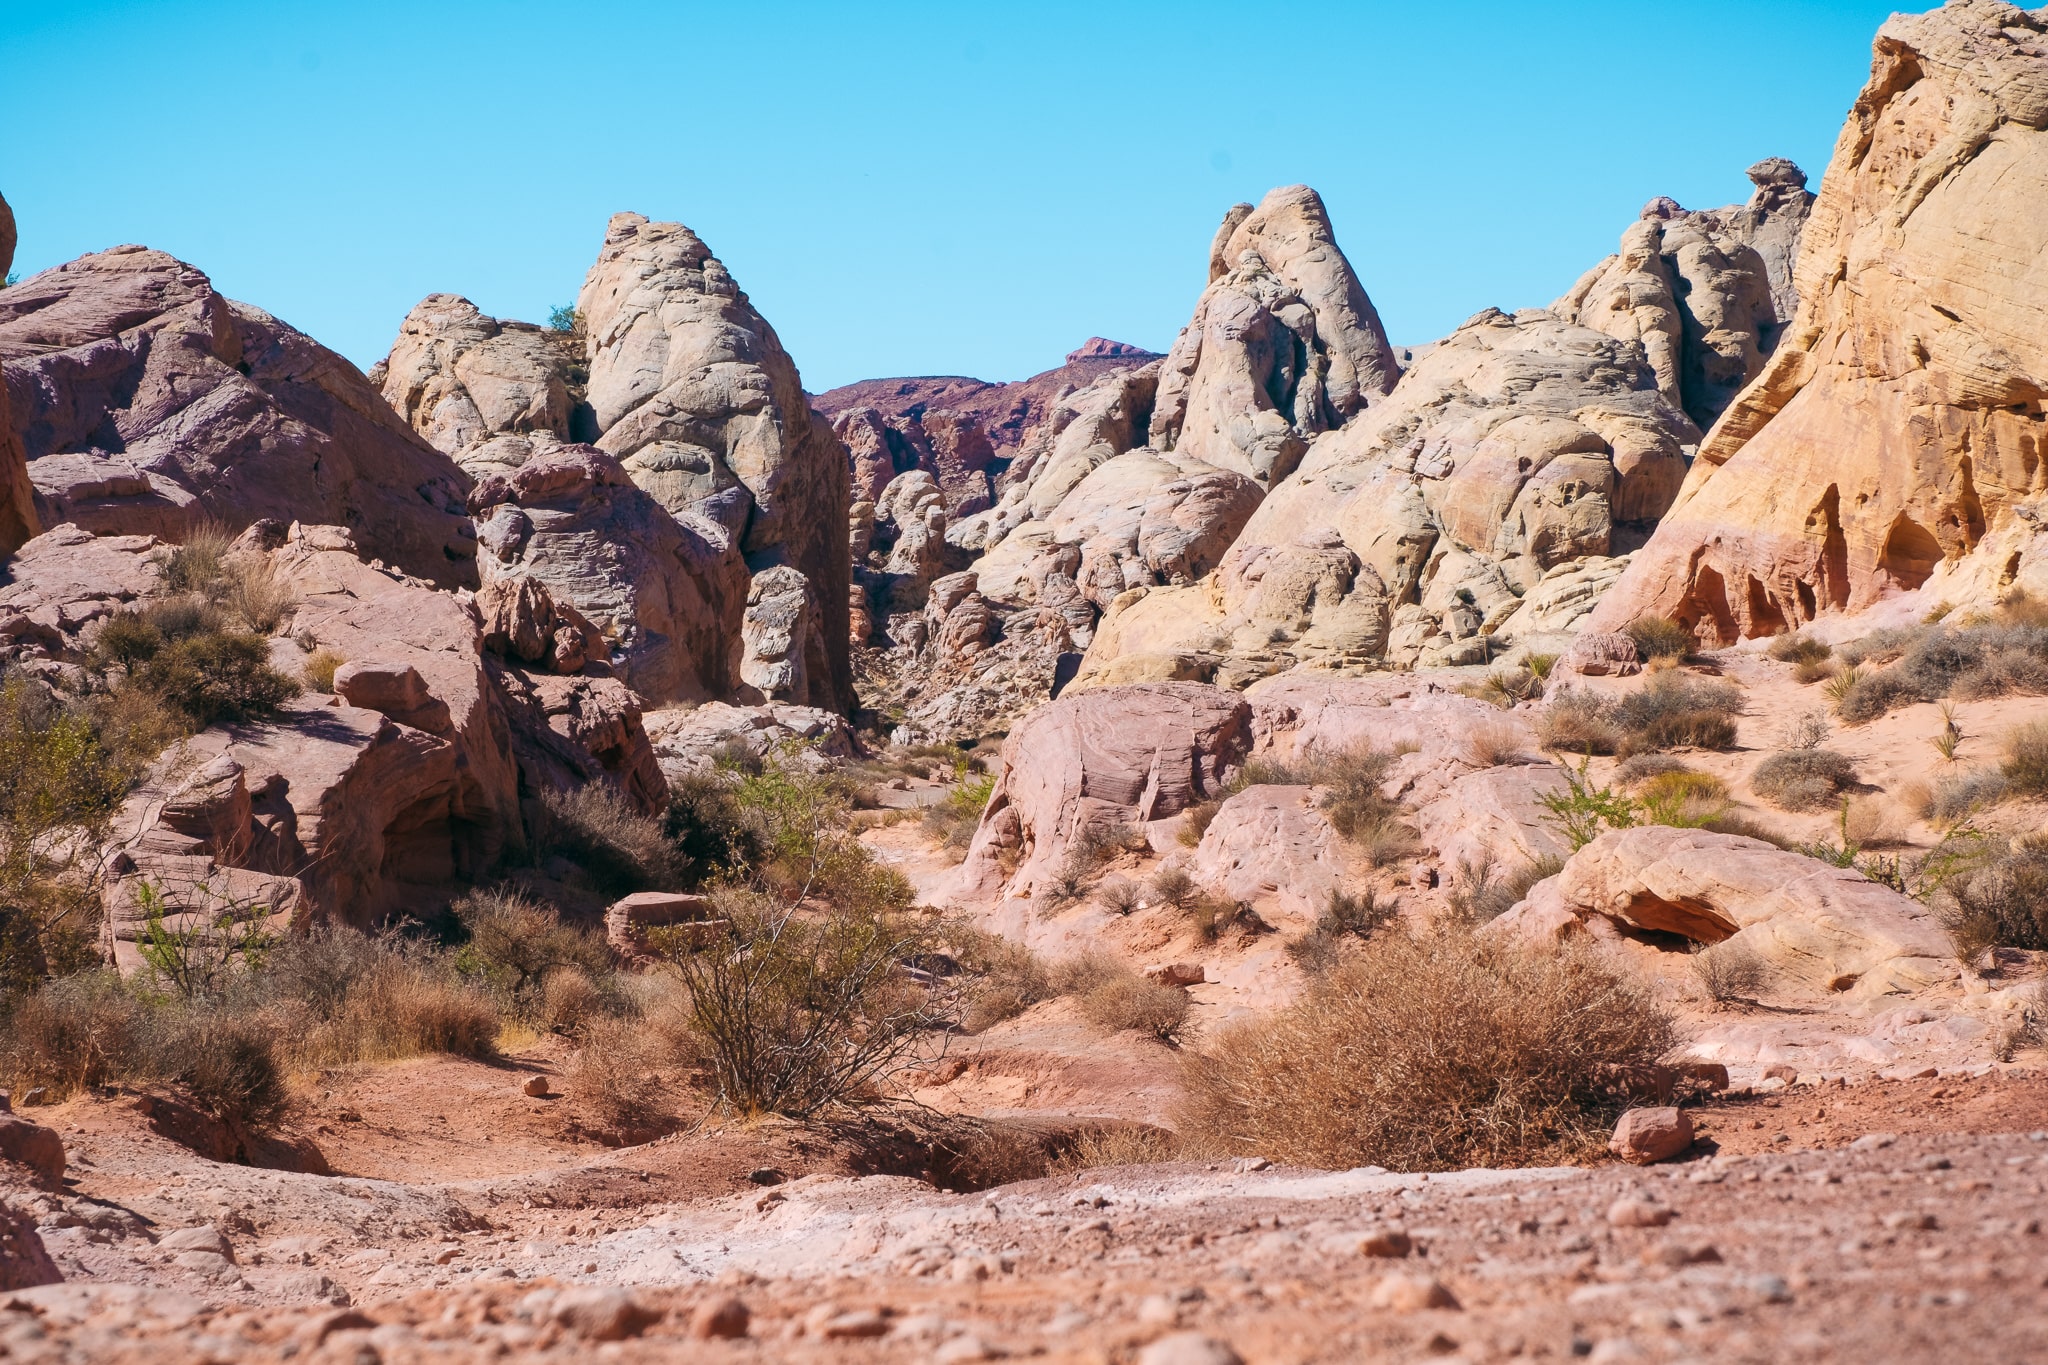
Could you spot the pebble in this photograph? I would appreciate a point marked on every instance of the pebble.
(1189, 1348)
(721, 1318)
(598, 1314)
(1771, 1288)
(1911, 1222)
(1411, 1294)
(861, 1324)
(536, 1086)
(1871, 1142)
(966, 1347)
(206, 1237)
(1628, 1212)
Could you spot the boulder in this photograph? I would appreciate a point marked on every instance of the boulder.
(689, 740)
(785, 643)
(186, 403)
(567, 732)
(30, 1145)
(1830, 928)
(1603, 654)
(61, 584)
(523, 622)
(1891, 442)
(458, 376)
(24, 1262)
(1103, 758)
(1271, 845)
(1644, 1136)
(627, 921)
(1283, 344)
(690, 388)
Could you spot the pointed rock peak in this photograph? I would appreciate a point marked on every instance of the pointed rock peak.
(1219, 263)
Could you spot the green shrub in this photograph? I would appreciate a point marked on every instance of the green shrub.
(1803, 779)
(215, 678)
(1659, 638)
(953, 820)
(319, 668)
(1582, 812)
(708, 826)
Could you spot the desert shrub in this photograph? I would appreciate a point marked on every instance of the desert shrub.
(1814, 670)
(252, 593)
(1870, 823)
(616, 1079)
(1803, 779)
(1130, 1144)
(1841, 683)
(1434, 1052)
(1195, 822)
(515, 942)
(1578, 722)
(1346, 918)
(1806, 731)
(1119, 895)
(2002, 902)
(805, 846)
(1005, 978)
(319, 668)
(1685, 798)
(1659, 638)
(1582, 811)
(1539, 665)
(1749, 827)
(1634, 772)
(1506, 688)
(1486, 891)
(74, 1033)
(1356, 807)
(215, 678)
(227, 1061)
(569, 1000)
(336, 996)
(1729, 970)
(2025, 768)
(707, 825)
(1881, 646)
(953, 820)
(622, 850)
(198, 565)
(1492, 743)
(1676, 711)
(1173, 886)
(800, 1013)
(1958, 796)
(1388, 842)
(1976, 659)
(1112, 996)
(56, 780)
(1798, 649)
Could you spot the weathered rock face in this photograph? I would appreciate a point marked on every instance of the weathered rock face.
(1272, 844)
(1896, 435)
(689, 740)
(949, 446)
(1283, 345)
(690, 388)
(1830, 927)
(1109, 757)
(24, 1261)
(665, 591)
(1706, 294)
(458, 376)
(161, 401)
(1517, 449)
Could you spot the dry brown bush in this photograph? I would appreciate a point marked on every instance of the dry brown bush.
(1114, 997)
(1577, 722)
(1005, 978)
(2025, 768)
(1430, 1052)
(251, 591)
(622, 850)
(1803, 779)
(1727, 971)
(1126, 1145)
(617, 1079)
(1492, 743)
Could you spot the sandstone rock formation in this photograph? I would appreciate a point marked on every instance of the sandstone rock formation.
(1894, 439)
(1519, 448)
(458, 376)
(18, 519)
(666, 591)
(1283, 345)
(1106, 758)
(690, 388)
(1706, 294)
(161, 401)
(1831, 928)
(689, 741)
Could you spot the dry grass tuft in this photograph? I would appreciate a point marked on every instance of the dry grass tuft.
(2025, 768)
(1658, 639)
(1127, 1145)
(318, 669)
(1727, 971)
(1492, 743)
(1430, 1053)
(1114, 997)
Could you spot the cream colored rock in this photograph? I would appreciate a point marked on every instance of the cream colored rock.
(458, 376)
(690, 388)
(1283, 344)
(1897, 427)
(688, 741)
(784, 645)
(1832, 928)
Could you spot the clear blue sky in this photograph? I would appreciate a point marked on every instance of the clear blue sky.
(962, 189)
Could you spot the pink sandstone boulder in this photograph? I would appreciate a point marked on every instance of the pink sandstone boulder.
(1647, 1135)
(185, 403)
(1112, 756)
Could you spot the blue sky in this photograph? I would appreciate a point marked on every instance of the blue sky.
(904, 189)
